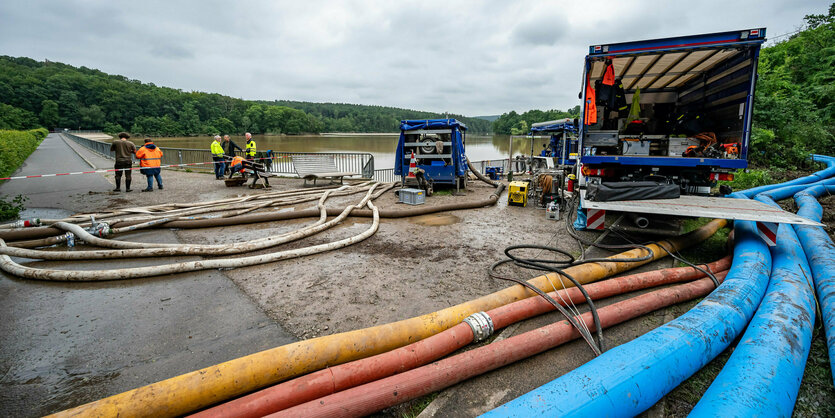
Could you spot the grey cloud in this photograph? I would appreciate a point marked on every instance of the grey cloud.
(540, 31)
(172, 51)
(469, 56)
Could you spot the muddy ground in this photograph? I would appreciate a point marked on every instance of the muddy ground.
(417, 265)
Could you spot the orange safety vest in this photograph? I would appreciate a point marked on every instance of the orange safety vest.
(609, 74)
(149, 157)
(237, 161)
(591, 105)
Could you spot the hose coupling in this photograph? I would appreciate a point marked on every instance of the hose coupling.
(69, 239)
(481, 324)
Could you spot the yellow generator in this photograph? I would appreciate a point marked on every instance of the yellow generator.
(517, 194)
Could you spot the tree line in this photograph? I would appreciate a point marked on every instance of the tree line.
(794, 109)
(52, 94)
(513, 123)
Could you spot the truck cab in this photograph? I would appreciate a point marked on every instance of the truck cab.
(673, 110)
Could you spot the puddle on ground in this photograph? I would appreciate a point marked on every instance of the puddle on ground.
(44, 213)
(438, 219)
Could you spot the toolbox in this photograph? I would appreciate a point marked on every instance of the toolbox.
(517, 194)
(677, 146)
(412, 196)
(635, 146)
(601, 139)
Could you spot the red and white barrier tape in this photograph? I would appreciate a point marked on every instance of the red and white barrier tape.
(115, 169)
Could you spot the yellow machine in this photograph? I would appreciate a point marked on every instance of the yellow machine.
(517, 193)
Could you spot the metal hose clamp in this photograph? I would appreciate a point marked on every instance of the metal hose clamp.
(481, 324)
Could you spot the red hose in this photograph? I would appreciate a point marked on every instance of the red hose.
(338, 378)
(393, 390)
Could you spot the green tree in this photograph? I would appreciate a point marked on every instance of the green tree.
(16, 119)
(49, 114)
(189, 119)
(794, 109)
(520, 128)
(92, 117)
(223, 126)
(112, 128)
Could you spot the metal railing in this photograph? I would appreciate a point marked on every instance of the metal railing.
(279, 162)
(282, 162)
(102, 148)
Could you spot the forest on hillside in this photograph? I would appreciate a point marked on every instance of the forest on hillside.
(342, 117)
(794, 108)
(53, 95)
(513, 123)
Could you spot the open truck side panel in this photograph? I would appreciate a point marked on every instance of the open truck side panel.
(688, 88)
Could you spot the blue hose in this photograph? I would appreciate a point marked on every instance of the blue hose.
(826, 173)
(630, 378)
(820, 251)
(789, 191)
(762, 376)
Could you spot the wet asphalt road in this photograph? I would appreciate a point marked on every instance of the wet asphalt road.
(65, 344)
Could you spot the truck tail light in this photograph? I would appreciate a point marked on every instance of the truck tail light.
(722, 176)
(601, 172)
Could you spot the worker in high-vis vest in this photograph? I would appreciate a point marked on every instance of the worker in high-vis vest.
(150, 159)
(250, 147)
(236, 166)
(217, 157)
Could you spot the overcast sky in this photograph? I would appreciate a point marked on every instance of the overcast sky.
(469, 57)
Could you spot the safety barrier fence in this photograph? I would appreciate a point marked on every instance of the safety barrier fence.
(280, 162)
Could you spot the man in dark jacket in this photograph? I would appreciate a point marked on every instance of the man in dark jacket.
(124, 150)
(229, 148)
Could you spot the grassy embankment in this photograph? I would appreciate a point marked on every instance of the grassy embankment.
(15, 147)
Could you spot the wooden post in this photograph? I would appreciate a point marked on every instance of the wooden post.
(510, 158)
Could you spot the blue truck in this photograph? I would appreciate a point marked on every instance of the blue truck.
(672, 110)
(438, 147)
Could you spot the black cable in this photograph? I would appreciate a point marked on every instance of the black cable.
(550, 265)
(573, 209)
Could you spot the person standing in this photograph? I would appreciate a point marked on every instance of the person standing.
(217, 157)
(250, 147)
(123, 150)
(150, 159)
(230, 146)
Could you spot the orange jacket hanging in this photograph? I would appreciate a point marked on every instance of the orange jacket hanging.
(591, 106)
(609, 74)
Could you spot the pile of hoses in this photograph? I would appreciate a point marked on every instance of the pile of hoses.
(199, 389)
(763, 379)
(192, 391)
(126, 249)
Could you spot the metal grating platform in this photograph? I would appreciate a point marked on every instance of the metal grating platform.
(704, 207)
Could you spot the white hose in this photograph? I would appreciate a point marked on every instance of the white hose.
(9, 266)
(130, 249)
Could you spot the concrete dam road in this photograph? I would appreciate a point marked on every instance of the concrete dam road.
(66, 344)
(53, 156)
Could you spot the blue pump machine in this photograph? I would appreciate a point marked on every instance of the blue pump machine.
(438, 145)
(563, 145)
